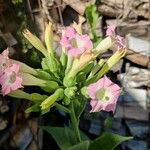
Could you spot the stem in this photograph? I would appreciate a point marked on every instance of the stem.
(75, 123)
(69, 64)
(61, 107)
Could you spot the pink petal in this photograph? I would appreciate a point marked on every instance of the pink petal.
(110, 107)
(70, 32)
(17, 84)
(120, 42)
(110, 30)
(5, 89)
(114, 87)
(83, 41)
(107, 82)
(65, 42)
(96, 105)
(75, 52)
(93, 88)
(15, 68)
(5, 53)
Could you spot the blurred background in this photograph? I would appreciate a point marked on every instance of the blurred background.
(132, 19)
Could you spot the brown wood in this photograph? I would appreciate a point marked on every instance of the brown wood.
(125, 8)
(137, 58)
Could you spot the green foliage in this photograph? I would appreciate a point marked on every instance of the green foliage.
(108, 141)
(81, 146)
(92, 18)
(16, 1)
(65, 138)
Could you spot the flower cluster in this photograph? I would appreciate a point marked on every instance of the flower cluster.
(119, 41)
(64, 78)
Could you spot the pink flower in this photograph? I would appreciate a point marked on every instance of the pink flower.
(119, 41)
(83, 43)
(104, 95)
(66, 39)
(74, 43)
(110, 30)
(4, 60)
(10, 80)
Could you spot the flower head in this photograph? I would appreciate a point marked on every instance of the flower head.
(118, 40)
(10, 79)
(110, 30)
(75, 43)
(4, 59)
(104, 95)
(67, 37)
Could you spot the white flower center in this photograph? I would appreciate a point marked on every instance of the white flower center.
(12, 78)
(103, 94)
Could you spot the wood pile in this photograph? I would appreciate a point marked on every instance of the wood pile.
(127, 9)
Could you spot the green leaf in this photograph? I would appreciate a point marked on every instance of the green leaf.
(92, 15)
(108, 141)
(64, 137)
(92, 19)
(81, 146)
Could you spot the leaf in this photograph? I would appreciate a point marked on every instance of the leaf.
(63, 136)
(92, 19)
(92, 15)
(108, 141)
(81, 146)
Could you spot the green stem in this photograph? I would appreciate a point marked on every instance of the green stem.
(61, 107)
(69, 64)
(75, 123)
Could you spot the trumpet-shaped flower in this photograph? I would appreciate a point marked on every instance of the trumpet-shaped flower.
(104, 95)
(66, 39)
(10, 80)
(110, 30)
(4, 60)
(119, 41)
(75, 43)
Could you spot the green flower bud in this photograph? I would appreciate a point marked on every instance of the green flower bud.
(70, 91)
(66, 101)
